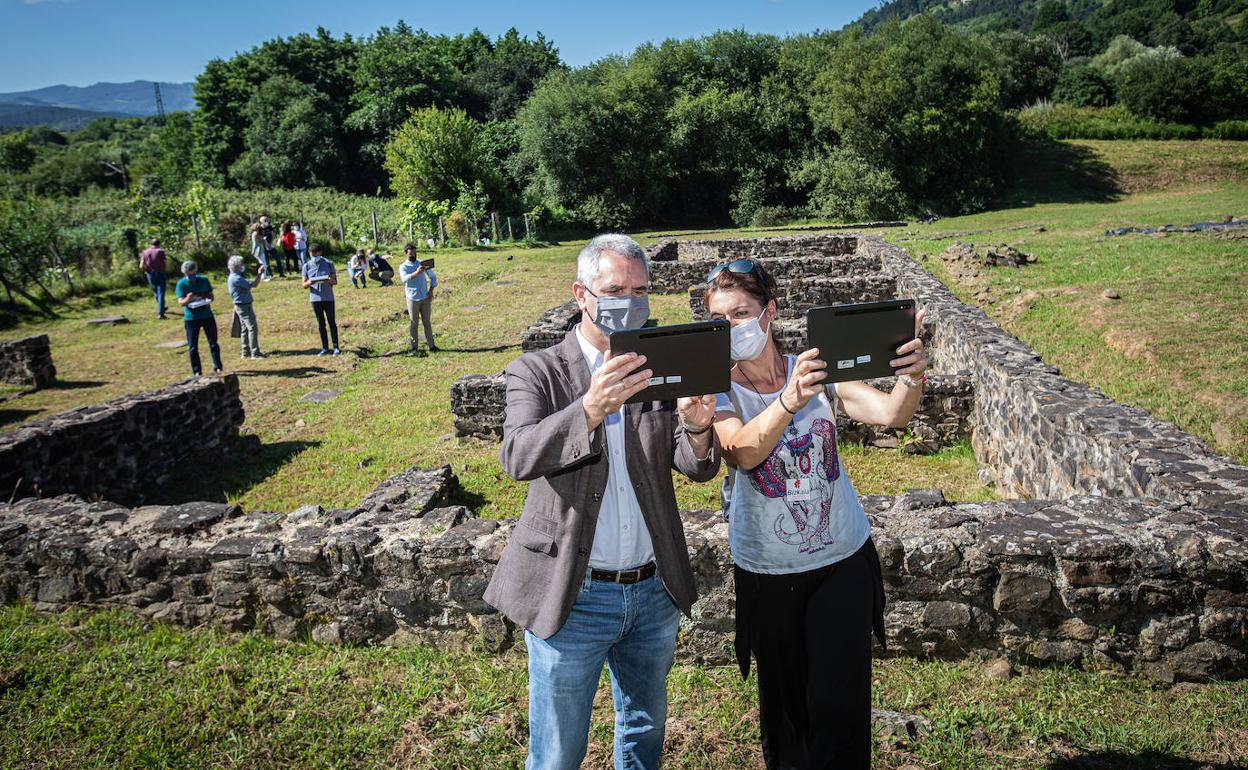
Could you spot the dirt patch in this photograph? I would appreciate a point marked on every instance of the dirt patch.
(1130, 344)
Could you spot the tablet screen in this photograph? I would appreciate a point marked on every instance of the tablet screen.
(859, 340)
(686, 359)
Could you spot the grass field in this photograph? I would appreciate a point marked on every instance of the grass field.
(118, 693)
(99, 689)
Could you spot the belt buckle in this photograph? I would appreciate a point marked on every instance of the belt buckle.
(620, 575)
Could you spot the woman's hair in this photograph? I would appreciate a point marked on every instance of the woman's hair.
(255, 227)
(359, 252)
(758, 284)
(189, 267)
(235, 264)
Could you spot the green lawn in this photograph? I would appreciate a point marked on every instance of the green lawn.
(103, 690)
(1174, 343)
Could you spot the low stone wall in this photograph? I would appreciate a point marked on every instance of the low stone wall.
(1041, 435)
(27, 361)
(794, 296)
(678, 264)
(551, 327)
(1109, 583)
(115, 449)
(479, 403)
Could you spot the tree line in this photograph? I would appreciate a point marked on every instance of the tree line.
(887, 118)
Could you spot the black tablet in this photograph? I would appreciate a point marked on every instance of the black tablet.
(427, 263)
(859, 340)
(686, 359)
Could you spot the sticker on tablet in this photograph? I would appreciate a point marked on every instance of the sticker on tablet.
(672, 380)
(847, 363)
(864, 359)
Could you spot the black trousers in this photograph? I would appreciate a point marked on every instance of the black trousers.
(209, 325)
(325, 317)
(810, 635)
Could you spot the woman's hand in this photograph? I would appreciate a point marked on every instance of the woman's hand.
(911, 357)
(806, 382)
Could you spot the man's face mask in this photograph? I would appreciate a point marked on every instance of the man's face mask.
(616, 314)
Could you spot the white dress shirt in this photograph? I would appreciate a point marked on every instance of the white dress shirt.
(621, 539)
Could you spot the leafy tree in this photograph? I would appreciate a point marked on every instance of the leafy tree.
(174, 147)
(17, 152)
(1173, 90)
(1049, 14)
(1027, 68)
(1084, 86)
(398, 70)
(291, 139)
(920, 105)
(434, 152)
(506, 72)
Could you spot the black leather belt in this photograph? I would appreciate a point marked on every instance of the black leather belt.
(626, 576)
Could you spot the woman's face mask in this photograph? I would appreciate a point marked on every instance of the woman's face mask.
(749, 339)
(615, 314)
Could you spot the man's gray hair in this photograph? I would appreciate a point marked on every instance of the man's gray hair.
(588, 262)
(189, 267)
(235, 264)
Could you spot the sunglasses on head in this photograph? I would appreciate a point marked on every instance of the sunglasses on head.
(735, 266)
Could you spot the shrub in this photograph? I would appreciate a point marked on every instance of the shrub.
(1083, 85)
(1167, 90)
(1063, 121)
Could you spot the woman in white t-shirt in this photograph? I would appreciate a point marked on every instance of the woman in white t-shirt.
(809, 588)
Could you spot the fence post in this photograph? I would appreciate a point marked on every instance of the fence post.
(376, 237)
(494, 223)
(527, 234)
(195, 224)
(510, 237)
(411, 233)
(441, 231)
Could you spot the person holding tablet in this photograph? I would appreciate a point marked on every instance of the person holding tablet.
(195, 296)
(809, 589)
(320, 278)
(419, 283)
(597, 570)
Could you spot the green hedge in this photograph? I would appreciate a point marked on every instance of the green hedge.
(1064, 121)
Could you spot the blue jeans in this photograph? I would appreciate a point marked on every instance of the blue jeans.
(157, 281)
(303, 255)
(631, 628)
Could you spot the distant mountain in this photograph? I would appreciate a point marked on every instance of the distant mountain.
(136, 99)
(60, 118)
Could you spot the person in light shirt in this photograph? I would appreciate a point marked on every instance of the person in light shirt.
(596, 570)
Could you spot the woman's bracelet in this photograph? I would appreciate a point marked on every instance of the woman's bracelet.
(780, 398)
(911, 382)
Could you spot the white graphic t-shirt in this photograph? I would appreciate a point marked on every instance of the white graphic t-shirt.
(797, 511)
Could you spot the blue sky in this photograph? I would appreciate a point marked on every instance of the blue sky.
(80, 42)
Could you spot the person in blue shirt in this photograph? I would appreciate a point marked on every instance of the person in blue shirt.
(420, 283)
(195, 296)
(320, 278)
(240, 293)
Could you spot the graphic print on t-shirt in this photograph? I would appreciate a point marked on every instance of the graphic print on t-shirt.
(812, 459)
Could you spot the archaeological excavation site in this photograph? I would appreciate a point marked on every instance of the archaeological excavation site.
(1118, 542)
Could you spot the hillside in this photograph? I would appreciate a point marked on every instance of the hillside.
(120, 99)
(59, 118)
(1190, 26)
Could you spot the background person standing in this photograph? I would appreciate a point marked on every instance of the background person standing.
(152, 263)
(420, 283)
(270, 251)
(301, 242)
(240, 294)
(192, 290)
(320, 278)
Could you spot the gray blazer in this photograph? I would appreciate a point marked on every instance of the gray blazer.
(547, 443)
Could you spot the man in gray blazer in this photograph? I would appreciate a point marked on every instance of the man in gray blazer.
(596, 570)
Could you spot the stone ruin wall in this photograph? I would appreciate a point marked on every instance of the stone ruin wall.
(1135, 558)
(114, 450)
(27, 361)
(1120, 585)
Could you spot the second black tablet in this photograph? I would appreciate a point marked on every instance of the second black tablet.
(859, 340)
(686, 359)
